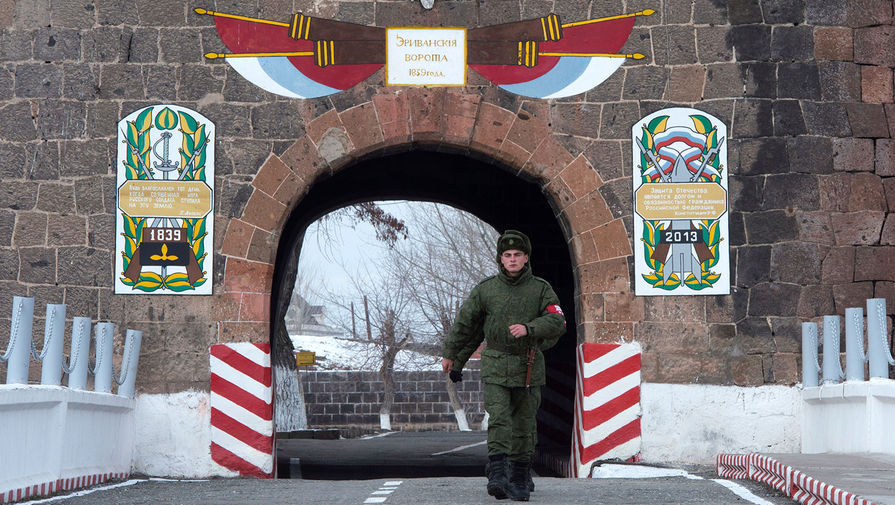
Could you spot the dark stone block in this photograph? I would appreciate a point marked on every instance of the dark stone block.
(760, 79)
(12, 160)
(678, 46)
(753, 265)
(197, 81)
(787, 332)
(792, 43)
(709, 12)
(750, 42)
(89, 157)
(61, 119)
(181, 46)
(117, 12)
(43, 161)
(104, 44)
(42, 80)
(746, 192)
(84, 266)
(754, 336)
(741, 12)
(618, 196)
(277, 120)
(810, 154)
(840, 81)
(827, 13)
(712, 44)
(15, 45)
(826, 119)
(120, 81)
(773, 299)
(617, 119)
(57, 44)
(161, 81)
(788, 118)
(753, 118)
(797, 262)
(737, 229)
(723, 80)
(816, 301)
(783, 11)
(770, 227)
(798, 80)
(7, 84)
(79, 82)
(9, 266)
(7, 223)
(576, 119)
(38, 265)
(763, 156)
(867, 120)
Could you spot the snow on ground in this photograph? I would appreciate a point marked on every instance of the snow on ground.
(340, 354)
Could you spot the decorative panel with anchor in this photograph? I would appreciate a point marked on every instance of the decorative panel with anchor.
(164, 221)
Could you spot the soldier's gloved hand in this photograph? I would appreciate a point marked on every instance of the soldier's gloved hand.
(456, 376)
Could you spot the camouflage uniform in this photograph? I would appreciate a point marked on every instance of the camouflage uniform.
(492, 306)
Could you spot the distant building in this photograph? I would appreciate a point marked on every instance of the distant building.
(302, 318)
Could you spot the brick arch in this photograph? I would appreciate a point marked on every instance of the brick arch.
(443, 118)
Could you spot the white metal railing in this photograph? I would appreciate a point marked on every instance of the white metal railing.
(21, 348)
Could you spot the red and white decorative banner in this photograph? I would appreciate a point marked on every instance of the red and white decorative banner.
(784, 478)
(607, 405)
(242, 408)
(47, 488)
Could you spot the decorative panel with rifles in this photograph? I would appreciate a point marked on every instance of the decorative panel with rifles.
(164, 222)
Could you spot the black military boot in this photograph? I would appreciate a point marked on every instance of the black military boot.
(530, 482)
(496, 469)
(517, 489)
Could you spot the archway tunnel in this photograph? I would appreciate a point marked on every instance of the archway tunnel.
(494, 193)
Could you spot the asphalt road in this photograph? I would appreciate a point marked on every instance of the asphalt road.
(403, 469)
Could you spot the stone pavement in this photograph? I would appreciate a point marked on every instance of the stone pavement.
(870, 476)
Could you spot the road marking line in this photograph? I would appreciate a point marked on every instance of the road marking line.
(394, 483)
(384, 491)
(742, 492)
(375, 500)
(462, 447)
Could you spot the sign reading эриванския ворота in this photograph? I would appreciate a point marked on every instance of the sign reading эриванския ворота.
(681, 237)
(425, 57)
(164, 223)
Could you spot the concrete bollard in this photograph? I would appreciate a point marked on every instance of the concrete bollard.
(54, 338)
(105, 333)
(810, 366)
(129, 363)
(80, 353)
(18, 351)
(878, 352)
(854, 344)
(832, 367)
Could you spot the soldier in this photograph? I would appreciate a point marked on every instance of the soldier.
(518, 316)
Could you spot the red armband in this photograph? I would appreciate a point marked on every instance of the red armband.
(555, 309)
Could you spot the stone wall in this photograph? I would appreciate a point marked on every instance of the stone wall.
(353, 399)
(806, 88)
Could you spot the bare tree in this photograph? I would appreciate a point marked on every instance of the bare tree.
(448, 251)
(415, 287)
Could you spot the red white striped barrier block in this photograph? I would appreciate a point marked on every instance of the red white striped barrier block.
(242, 436)
(784, 478)
(58, 485)
(607, 405)
(734, 466)
(810, 491)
